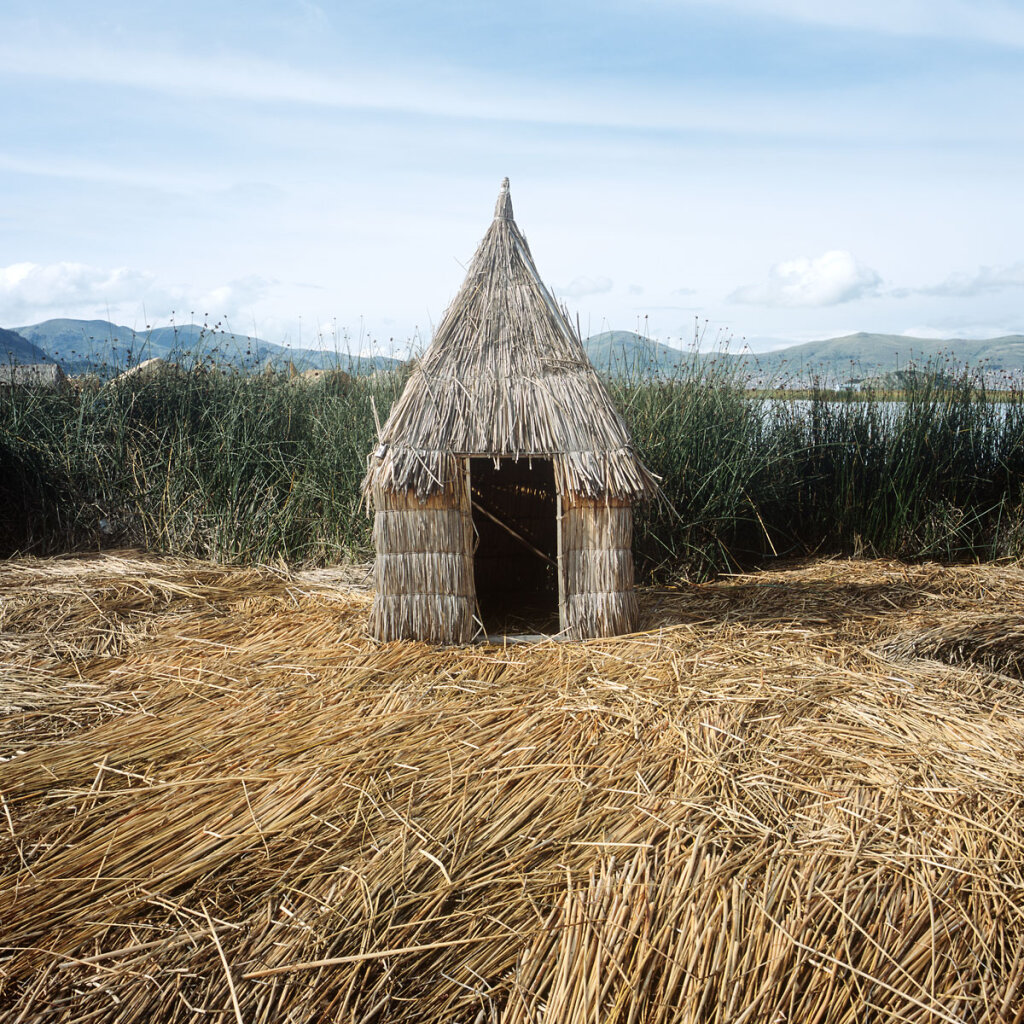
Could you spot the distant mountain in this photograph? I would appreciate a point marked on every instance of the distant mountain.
(104, 347)
(626, 354)
(101, 346)
(74, 343)
(863, 355)
(856, 356)
(14, 348)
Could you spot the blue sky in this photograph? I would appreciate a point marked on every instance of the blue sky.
(781, 170)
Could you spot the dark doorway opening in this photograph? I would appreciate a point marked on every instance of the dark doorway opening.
(516, 561)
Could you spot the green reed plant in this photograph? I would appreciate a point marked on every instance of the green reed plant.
(223, 466)
(708, 440)
(260, 467)
(936, 471)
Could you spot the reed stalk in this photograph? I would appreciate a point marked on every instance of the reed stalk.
(236, 469)
(794, 795)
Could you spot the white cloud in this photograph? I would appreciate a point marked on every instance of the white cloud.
(235, 296)
(981, 282)
(926, 332)
(31, 292)
(580, 286)
(827, 280)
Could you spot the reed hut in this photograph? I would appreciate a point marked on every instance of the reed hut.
(504, 477)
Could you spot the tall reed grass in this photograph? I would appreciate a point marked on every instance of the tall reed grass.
(937, 474)
(244, 468)
(223, 466)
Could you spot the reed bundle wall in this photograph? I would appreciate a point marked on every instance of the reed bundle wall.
(597, 567)
(423, 573)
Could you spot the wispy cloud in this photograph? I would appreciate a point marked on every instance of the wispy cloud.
(967, 285)
(580, 286)
(827, 280)
(991, 21)
(463, 93)
(169, 179)
(30, 292)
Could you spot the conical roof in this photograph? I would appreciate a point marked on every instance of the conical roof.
(506, 376)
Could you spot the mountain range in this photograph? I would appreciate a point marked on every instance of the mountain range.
(14, 348)
(852, 357)
(860, 355)
(99, 346)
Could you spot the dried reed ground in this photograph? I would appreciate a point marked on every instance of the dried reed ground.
(797, 797)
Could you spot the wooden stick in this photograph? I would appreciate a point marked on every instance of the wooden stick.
(522, 540)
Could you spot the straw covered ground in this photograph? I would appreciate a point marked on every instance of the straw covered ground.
(796, 796)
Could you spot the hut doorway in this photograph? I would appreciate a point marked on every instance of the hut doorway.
(515, 565)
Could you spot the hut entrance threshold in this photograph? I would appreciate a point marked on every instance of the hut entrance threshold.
(515, 564)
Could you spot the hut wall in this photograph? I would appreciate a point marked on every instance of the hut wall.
(424, 567)
(597, 567)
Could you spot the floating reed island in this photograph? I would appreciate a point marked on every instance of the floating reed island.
(504, 476)
(792, 796)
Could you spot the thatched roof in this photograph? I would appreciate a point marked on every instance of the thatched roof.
(506, 376)
(148, 370)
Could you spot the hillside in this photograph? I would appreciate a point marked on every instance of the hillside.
(860, 355)
(98, 345)
(627, 354)
(14, 348)
(624, 353)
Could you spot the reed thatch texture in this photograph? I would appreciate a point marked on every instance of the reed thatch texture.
(244, 810)
(424, 567)
(506, 375)
(597, 554)
(985, 638)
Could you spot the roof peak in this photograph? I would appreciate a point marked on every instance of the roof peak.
(503, 207)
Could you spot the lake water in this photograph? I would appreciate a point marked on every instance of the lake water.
(800, 408)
